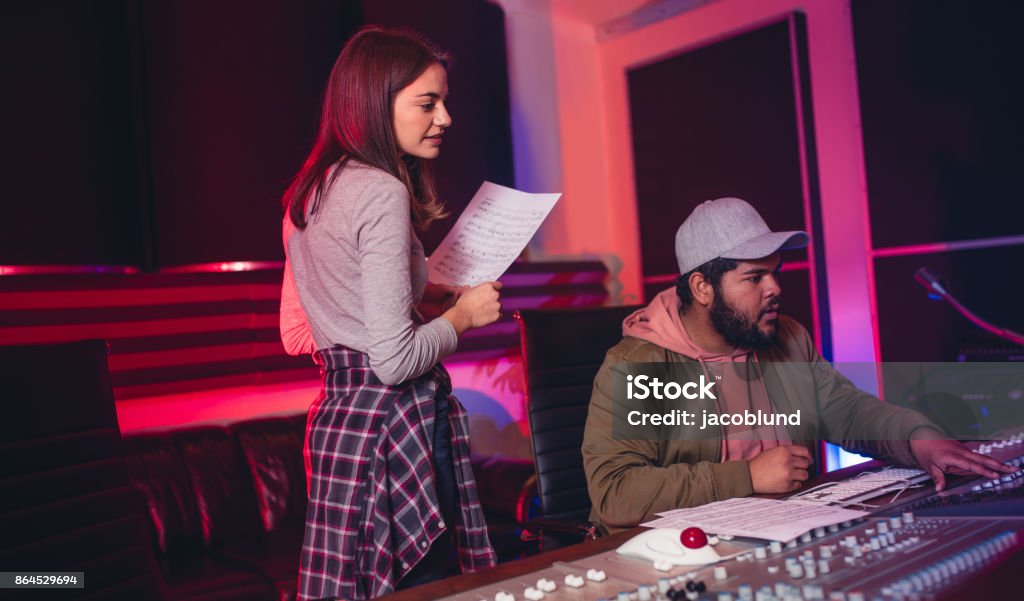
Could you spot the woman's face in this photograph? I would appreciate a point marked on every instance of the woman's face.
(420, 114)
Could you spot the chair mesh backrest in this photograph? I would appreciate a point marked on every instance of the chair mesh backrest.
(562, 351)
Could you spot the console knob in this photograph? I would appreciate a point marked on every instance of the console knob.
(693, 538)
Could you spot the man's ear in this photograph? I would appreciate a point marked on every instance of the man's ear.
(701, 289)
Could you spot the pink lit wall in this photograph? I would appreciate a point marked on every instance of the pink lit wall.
(492, 390)
(589, 124)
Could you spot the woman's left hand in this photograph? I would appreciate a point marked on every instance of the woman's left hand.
(438, 298)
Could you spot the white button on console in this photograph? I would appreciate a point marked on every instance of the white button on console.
(823, 566)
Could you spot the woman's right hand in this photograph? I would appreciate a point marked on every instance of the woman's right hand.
(476, 307)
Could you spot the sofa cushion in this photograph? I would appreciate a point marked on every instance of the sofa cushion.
(273, 450)
(275, 555)
(221, 484)
(156, 468)
(66, 501)
(202, 578)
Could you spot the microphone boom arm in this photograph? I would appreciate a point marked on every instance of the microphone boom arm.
(925, 277)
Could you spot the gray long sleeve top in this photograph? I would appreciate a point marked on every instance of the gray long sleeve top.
(360, 271)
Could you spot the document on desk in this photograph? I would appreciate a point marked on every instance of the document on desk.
(492, 231)
(752, 517)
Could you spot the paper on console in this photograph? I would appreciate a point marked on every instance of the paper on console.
(752, 517)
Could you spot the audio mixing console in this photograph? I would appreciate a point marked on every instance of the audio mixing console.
(914, 549)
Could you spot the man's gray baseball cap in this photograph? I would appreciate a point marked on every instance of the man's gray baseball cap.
(731, 229)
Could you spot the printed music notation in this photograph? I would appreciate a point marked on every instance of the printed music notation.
(753, 517)
(489, 235)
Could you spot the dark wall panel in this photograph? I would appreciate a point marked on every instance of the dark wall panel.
(713, 122)
(943, 128)
(160, 133)
(67, 158)
(234, 91)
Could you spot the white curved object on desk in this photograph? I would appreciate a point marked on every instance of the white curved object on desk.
(663, 545)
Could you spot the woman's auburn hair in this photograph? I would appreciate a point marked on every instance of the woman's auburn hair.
(357, 122)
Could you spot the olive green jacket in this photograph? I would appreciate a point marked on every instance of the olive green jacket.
(631, 480)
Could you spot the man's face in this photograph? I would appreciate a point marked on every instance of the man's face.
(745, 309)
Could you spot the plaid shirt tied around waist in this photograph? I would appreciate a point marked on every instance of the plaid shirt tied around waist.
(373, 511)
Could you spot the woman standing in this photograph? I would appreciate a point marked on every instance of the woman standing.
(391, 492)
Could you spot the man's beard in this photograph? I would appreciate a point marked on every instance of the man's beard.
(739, 331)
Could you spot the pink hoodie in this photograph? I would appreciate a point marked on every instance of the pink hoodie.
(660, 323)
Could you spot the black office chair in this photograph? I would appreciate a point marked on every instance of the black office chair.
(562, 351)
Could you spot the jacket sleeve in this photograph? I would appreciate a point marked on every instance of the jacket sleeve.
(627, 480)
(859, 421)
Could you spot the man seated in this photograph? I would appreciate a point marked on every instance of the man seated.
(723, 320)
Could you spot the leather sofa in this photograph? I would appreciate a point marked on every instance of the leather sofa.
(227, 506)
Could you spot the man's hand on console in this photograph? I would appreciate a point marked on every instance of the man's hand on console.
(780, 469)
(938, 455)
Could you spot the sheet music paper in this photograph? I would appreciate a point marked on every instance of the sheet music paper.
(751, 517)
(489, 235)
